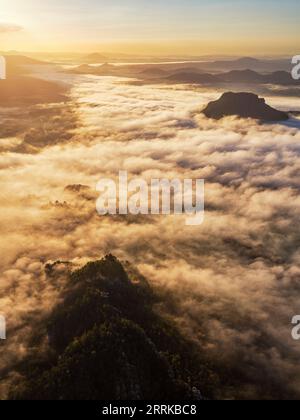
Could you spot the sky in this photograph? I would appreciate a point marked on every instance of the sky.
(186, 26)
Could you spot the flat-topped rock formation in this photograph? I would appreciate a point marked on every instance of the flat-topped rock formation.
(243, 105)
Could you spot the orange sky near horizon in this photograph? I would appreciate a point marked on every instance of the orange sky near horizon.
(192, 27)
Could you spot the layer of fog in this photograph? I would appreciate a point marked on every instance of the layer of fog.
(234, 280)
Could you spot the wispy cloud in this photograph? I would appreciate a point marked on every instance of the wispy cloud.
(9, 27)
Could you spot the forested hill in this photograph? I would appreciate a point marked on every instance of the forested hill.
(106, 341)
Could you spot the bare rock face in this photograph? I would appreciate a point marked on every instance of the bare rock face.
(244, 105)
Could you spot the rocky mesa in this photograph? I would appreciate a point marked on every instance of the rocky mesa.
(243, 105)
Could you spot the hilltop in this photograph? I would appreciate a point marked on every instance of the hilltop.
(106, 341)
(244, 105)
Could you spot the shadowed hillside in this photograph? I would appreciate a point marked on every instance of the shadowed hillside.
(192, 74)
(20, 89)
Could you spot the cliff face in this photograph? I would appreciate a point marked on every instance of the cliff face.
(107, 342)
(244, 105)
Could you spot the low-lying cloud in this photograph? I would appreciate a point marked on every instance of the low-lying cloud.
(232, 283)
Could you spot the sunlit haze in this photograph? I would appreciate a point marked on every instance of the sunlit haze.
(138, 26)
(150, 202)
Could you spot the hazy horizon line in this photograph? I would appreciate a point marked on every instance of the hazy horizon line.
(282, 55)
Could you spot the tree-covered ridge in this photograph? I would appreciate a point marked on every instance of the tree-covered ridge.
(107, 342)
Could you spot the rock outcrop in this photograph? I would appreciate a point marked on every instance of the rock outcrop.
(244, 105)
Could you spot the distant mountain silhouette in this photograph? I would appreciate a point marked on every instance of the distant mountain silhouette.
(281, 78)
(17, 64)
(189, 69)
(105, 69)
(83, 69)
(190, 75)
(145, 74)
(95, 58)
(234, 76)
(21, 60)
(28, 90)
(193, 78)
(248, 63)
(244, 105)
(107, 66)
(243, 76)
(239, 64)
(153, 71)
(247, 60)
(250, 76)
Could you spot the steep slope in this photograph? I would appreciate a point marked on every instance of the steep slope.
(19, 65)
(249, 76)
(244, 105)
(107, 342)
(21, 90)
(186, 77)
(95, 58)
